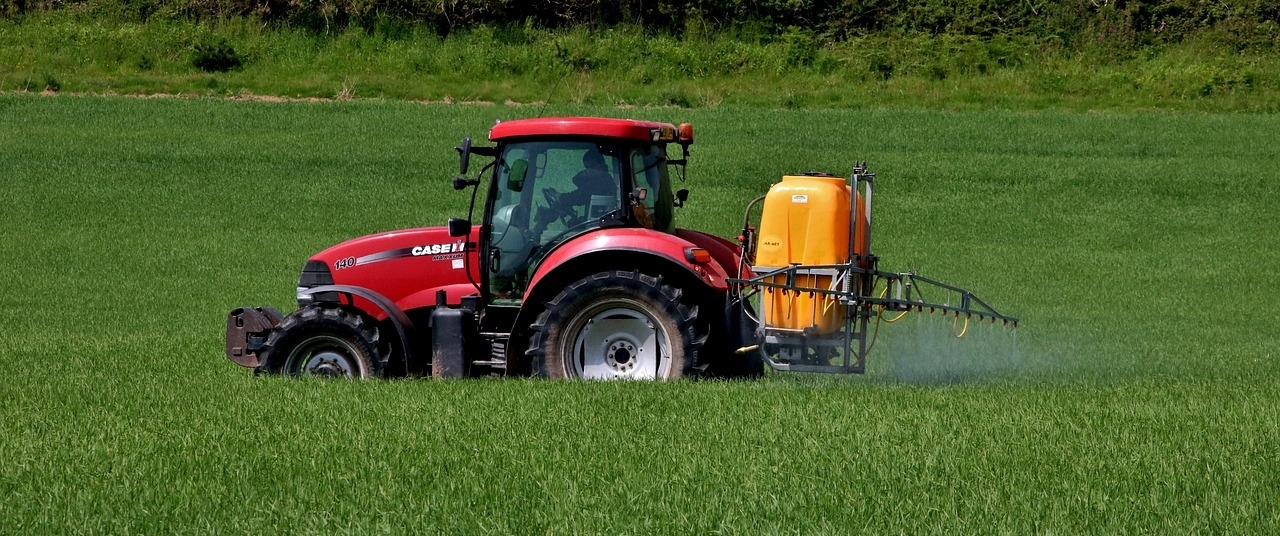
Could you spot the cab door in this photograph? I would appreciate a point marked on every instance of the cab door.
(545, 193)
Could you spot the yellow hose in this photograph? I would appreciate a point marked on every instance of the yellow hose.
(884, 293)
(963, 330)
(831, 302)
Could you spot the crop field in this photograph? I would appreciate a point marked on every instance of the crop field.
(1142, 251)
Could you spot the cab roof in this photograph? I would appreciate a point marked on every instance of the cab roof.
(579, 126)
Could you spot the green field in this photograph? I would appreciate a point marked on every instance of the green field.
(1141, 250)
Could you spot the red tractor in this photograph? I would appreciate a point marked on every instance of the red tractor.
(577, 270)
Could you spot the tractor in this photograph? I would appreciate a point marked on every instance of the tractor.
(576, 270)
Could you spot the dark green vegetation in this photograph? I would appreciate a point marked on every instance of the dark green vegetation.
(1129, 22)
(1140, 248)
(1080, 55)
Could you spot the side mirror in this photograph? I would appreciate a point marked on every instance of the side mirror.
(640, 194)
(461, 183)
(464, 153)
(516, 175)
(459, 227)
(682, 195)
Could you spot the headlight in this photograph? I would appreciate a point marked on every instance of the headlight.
(314, 274)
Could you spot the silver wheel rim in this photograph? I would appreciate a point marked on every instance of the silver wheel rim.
(616, 340)
(325, 356)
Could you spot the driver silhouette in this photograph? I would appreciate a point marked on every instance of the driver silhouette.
(596, 187)
(594, 179)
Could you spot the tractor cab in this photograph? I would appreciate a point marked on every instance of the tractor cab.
(554, 180)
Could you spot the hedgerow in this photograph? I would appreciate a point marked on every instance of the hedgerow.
(1246, 24)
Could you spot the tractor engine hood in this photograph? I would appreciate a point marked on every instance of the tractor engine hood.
(397, 264)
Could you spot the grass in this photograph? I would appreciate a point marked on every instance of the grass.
(1138, 247)
(64, 52)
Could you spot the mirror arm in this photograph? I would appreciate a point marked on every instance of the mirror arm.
(464, 156)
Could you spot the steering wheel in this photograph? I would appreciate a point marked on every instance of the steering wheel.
(551, 196)
(559, 209)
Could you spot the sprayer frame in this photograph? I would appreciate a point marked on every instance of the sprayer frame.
(852, 286)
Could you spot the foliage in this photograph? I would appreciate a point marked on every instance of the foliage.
(1248, 23)
(217, 56)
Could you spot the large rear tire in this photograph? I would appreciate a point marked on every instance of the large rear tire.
(616, 325)
(323, 341)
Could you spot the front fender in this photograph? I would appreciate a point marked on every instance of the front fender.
(406, 332)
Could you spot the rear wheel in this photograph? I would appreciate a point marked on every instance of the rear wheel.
(322, 341)
(616, 325)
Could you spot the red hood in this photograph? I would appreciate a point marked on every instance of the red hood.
(398, 264)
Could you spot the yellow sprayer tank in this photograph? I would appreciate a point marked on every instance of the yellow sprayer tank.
(806, 221)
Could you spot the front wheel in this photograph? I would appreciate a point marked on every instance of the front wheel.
(322, 341)
(616, 325)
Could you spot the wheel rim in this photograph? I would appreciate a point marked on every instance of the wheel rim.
(325, 356)
(617, 340)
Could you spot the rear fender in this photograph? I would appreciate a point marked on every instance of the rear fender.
(652, 252)
(727, 253)
(672, 248)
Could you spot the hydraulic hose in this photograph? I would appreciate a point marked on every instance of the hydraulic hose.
(884, 293)
(964, 329)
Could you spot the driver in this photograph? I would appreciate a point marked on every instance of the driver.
(594, 194)
(594, 180)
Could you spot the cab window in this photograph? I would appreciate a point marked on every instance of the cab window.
(649, 173)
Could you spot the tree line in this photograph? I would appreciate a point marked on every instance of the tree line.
(1242, 23)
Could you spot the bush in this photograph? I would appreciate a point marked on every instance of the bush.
(1246, 24)
(216, 56)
